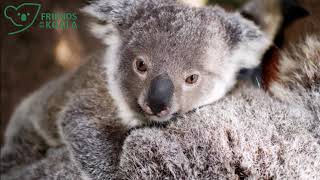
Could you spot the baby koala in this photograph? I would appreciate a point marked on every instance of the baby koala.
(165, 58)
(161, 58)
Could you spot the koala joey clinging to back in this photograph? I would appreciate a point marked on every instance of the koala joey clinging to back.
(165, 58)
(161, 58)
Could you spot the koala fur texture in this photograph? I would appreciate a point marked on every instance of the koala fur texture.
(76, 128)
(162, 58)
(249, 134)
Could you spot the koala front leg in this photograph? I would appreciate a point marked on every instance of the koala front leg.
(32, 127)
(25, 148)
(92, 135)
(23, 144)
(56, 165)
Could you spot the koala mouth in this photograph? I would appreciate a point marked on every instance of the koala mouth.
(160, 117)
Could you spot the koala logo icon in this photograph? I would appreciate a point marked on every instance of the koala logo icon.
(23, 16)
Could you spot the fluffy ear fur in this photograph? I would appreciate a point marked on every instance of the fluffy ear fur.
(121, 12)
(272, 15)
(265, 14)
(247, 40)
(251, 42)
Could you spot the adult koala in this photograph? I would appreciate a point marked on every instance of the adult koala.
(162, 59)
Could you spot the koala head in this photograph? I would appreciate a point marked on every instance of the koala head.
(165, 58)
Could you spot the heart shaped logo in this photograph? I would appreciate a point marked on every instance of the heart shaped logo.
(23, 16)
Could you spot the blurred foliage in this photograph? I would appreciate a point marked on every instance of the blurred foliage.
(233, 3)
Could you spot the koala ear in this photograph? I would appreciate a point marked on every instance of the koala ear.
(265, 14)
(248, 42)
(122, 13)
(117, 15)
(270, 15)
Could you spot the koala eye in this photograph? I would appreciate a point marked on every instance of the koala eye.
(140, 65)
(192, 79)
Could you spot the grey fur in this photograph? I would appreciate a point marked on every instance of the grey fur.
(56, 166)
(95, 106)
(248, 134)
(176, 40)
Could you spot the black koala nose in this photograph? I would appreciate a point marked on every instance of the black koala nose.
(160, 93)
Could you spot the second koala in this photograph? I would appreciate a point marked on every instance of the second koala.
(162, 58)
